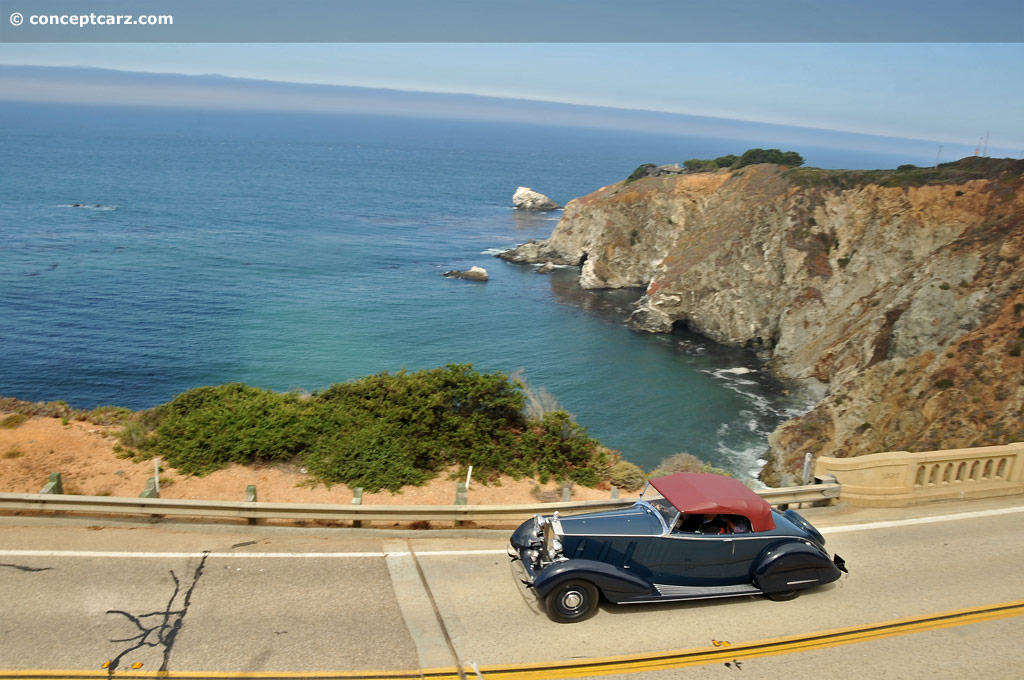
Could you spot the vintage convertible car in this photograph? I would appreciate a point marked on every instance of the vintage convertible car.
(688, 536)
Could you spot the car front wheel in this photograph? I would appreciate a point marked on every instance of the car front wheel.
(572, 601)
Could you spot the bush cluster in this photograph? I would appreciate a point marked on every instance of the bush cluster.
(686, 462)
(641, 171)
(749, 157)
(381, 431)
(1007, 170)
(627, 476)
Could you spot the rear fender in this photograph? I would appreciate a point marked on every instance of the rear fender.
(614, 583)
(793, 566)
(798, 519)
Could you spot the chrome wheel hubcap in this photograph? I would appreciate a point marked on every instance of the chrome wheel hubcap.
(572, 600)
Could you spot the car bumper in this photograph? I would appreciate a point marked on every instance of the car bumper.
(522, 565)
(523, 573)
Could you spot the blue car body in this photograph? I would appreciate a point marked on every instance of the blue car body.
(648, 553)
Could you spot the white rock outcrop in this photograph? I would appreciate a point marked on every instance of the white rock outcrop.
(473, 274)
(526, 198)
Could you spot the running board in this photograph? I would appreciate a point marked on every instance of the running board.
(667, 592)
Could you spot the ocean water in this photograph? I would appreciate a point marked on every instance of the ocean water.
(293, 251)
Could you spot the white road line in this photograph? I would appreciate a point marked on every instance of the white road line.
(260, 555)
(451, 553)
(920, 520)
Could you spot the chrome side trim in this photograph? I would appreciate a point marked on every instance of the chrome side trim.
(704, 591)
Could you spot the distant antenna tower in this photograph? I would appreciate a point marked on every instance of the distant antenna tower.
(938, 156)
(985, 150)
(977, 149)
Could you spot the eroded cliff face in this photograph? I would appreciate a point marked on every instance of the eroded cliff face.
(905, 300)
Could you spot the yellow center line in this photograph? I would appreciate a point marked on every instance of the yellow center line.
(631, 663)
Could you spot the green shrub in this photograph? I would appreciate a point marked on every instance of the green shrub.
(381, 431)
(640, 172)
(557, 447)
(749, 157)
(207, 428)
(108, 415)
(680, 462)
(699, 165)
(755, 156)
(133, 434)
(957, 172)
(627, 476)
(686, 462)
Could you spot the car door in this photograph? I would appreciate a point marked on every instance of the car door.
(696, 560)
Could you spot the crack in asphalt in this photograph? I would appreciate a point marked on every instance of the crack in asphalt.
(159, 628)
(20, 567)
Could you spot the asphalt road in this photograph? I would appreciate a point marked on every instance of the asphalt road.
(83, 596)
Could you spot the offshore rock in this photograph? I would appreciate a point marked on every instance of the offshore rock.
(472, 274)
(526, 198)
(533, 252)
(901, 293)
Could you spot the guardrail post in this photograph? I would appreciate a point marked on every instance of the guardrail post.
(566, 492)
(357, 499)
(53, 484)
(250, 497)
(461, 498)
(615, 493)
(150, 490)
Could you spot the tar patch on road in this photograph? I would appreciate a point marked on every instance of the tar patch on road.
(158, 629)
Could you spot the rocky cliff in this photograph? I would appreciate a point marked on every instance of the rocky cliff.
(898, 291)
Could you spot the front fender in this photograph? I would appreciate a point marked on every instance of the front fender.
(614, 583)
(526, 536)
(793, 566)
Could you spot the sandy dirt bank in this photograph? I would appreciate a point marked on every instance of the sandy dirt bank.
(84, 455)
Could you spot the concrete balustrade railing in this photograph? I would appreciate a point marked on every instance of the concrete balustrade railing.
(901, 478)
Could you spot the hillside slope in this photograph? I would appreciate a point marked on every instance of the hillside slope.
(898, 291)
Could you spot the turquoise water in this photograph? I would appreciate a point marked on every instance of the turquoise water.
(295, 251)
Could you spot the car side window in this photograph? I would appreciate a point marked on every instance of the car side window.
(687, 524)
(736, 524)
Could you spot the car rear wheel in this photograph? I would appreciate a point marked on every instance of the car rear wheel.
(572, 601)
(783, 595)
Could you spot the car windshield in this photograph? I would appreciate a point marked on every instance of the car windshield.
(658, 502)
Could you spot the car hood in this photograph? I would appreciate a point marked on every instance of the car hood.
(633, 521)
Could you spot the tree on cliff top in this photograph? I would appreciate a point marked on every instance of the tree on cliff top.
(755, 156)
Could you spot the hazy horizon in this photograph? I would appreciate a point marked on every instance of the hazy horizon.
(118, 87)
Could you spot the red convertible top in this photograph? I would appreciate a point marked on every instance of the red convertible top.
(695, 492)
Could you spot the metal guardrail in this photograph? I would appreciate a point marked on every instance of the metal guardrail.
(164, 507)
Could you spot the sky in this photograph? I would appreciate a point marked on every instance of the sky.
(947, 92)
